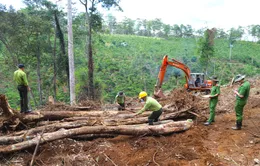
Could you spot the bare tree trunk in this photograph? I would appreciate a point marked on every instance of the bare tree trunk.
(54, 66)
(38, 54)
(62, 47)
(89, 52)
(71, 56)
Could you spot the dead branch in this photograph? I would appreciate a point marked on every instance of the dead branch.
(36, 148)
(110, 159)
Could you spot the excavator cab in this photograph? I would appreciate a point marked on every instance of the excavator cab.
(197, 80)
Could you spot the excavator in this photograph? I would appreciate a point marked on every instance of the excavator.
(194, 81)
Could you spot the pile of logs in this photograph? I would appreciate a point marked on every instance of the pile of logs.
(45, 126)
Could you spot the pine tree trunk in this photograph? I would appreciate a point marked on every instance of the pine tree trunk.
(71, 56)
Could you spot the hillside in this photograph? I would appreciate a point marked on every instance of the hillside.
(131, 63)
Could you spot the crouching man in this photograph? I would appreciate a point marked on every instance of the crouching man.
(152, 105)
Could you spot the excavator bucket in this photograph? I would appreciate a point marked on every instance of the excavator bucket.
(158, 93)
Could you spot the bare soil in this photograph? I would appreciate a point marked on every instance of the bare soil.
(216, 144)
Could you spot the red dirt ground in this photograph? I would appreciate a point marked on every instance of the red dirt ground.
(216, 144)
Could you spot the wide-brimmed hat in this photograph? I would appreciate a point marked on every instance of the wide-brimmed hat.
(214, 78)
(239, 77)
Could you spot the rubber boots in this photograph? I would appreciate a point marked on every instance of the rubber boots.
(238, 126)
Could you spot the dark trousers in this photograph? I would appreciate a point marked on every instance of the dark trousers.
(23, 92)
(121, 106)
(154, 117)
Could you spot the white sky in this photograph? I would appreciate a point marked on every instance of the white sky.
(198, 13)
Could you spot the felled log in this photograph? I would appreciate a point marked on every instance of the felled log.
(143, 129)
(85, 121)
(59, 115)
(29, 134)
(139, 120)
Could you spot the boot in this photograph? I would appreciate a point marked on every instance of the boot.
(207, 123)
(238, 126)
(150, 121)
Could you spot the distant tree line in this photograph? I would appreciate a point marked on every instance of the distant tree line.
(156, 28)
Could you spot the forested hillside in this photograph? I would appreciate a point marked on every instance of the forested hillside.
(124, 59)
(131, 63)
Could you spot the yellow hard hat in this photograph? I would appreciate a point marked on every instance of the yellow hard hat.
(142, 94)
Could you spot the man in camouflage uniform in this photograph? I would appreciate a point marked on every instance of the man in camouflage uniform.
(215, 92)
(241, 99)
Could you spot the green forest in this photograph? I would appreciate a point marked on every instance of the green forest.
(126, 55)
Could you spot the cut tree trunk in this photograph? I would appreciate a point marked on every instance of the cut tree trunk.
(29, 134)
(5, 108)
(142, 129)
(138, 120)
(84, 121)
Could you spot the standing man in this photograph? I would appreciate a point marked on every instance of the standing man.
(241, 99)
(120, 100)
(22, 85)
(152, 105)
(215, 92)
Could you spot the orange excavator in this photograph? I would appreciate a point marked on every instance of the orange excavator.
(194, 81)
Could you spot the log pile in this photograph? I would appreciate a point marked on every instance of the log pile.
(45, 126)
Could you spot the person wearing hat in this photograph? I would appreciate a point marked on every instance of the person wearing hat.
(152, 105)
(120, 100)
(22, 85)
(242, 95)
(214, 93)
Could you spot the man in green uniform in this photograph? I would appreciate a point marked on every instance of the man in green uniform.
(215, 92)
(120, 100)
(241, 99)
(152, 105)
(22, 85)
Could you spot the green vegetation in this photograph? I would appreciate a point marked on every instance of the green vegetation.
(122, 62)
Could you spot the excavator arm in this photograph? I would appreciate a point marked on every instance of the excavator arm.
(165, 63)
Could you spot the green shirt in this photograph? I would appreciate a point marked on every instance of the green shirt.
(20, 77)
(215, 90)
(150, 104)
(120, 99)
(244, 90)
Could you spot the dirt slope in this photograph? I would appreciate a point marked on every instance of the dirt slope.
(216, 144)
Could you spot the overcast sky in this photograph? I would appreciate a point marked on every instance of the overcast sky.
(198, 13)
